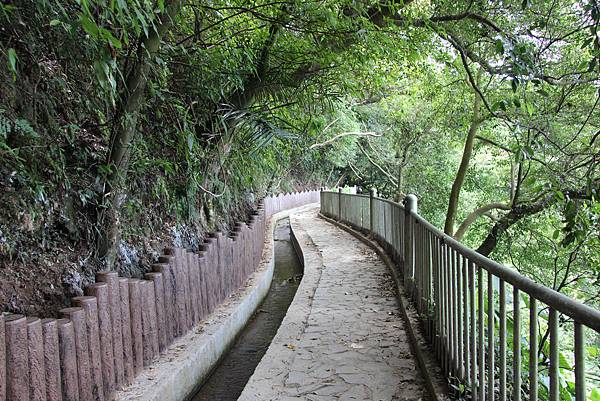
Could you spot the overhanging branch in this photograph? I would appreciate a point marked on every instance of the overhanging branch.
(387, 174)
(474, 215)
(521, 211)
(343, 134)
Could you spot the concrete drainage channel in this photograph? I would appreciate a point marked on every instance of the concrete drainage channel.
(191, 359)
(229, 378)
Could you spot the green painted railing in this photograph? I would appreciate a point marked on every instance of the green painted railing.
(472, 307)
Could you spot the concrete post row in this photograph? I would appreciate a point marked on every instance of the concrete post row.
(2, 360)
(122, 325)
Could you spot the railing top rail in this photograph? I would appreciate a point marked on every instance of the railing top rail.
(391, 202)
(357, 195)
(581, 313)
(578, 311)
(366, 196)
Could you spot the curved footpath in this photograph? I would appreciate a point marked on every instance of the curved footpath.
(343, 337)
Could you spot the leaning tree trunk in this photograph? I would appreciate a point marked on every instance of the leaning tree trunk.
(400, 186)
(401, 166)
(124, 132)
(459, 180)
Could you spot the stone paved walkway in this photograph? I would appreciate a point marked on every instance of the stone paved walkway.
(343, 337)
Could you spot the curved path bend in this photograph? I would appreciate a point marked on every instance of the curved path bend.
(343, 337)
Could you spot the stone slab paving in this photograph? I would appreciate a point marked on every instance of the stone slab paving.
(343, 337)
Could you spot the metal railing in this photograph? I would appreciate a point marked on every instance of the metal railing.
(464, 300)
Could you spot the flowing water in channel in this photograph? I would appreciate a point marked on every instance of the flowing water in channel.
(229, 378)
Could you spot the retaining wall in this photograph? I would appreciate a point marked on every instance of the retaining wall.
(122, 325)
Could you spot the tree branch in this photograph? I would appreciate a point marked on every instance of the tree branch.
(475, 214)
(354, 170)
(458, 17)
(343, 134)
(521, 211)
(505, 148)
(465, 62)
(493, 143)
(387, 174)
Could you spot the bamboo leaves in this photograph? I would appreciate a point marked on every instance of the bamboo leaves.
(11, 56)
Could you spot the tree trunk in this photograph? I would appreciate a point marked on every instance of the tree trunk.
(401, 166)
(400, 187)
(521, 211)
(459, 180)
(124, 132)
(500, 227)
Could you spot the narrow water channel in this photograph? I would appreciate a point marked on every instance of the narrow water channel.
(229, 378)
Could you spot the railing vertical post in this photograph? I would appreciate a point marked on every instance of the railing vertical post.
(480, 334)
(580, 393)
(517, 345)
(502, 337)
(410, 205)
(371, 210)
(533, 349)
(339, 204)
(490, 337)
(473, 332)
(553, 371)
(321, 199)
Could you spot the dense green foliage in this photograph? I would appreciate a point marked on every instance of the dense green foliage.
(127, 119)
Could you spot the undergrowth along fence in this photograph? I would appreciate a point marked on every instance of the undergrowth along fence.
(123, 325)
(473, 309)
